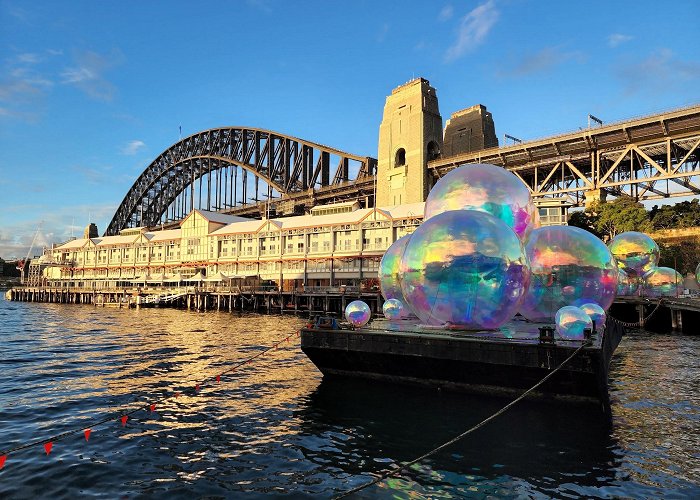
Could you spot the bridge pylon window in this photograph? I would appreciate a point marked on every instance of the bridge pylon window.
(400, 159)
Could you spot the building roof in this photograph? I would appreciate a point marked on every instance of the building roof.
(167, 234)
(249, 226)
(115, 240)
(219, 217)
(73, 244)
(405, 211)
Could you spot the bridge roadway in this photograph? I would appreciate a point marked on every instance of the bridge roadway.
(651, 157)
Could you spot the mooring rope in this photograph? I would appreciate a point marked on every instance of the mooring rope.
(88, 426)
(406, 465)
(640, 323)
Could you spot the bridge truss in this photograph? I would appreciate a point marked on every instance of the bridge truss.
(242, 171)
(648, 158)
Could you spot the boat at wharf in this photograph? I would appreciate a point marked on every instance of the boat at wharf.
(508, 360)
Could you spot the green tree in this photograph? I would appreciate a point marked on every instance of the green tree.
(682, 256)
(584, 219)
(620, 215)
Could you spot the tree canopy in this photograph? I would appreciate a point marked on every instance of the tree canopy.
(606, 220)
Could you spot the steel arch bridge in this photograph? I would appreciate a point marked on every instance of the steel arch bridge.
(222, 169)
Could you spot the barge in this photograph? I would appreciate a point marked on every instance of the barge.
(509, 360)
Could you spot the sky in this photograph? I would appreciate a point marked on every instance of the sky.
(92, 92)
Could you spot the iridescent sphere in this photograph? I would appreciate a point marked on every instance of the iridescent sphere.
(636, 253)
(466, 269)
(389, 269)
(393, 309)
(596, 313)
(571, 321)
(697, 273)
(662, 282)
(623, 283)
(569, 266)
(486, 188)
(357, 313)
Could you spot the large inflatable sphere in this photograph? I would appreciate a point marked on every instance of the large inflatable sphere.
(624, 284)
(393, 309)
(389, 269)
(357, 313)
(569, 267)
(636, 253)
(571, 321)
(662, 282)
(466, 269)
(485, 188)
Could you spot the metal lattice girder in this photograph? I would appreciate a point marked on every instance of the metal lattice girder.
(288, 165)
(647, 158)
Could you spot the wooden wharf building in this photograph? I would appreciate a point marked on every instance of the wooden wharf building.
(315, 262)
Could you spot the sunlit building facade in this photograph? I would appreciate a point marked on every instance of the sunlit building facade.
(335, 245)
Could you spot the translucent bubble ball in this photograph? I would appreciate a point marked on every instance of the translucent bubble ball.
(623, 283)
(662, 282)
(636, 253)
(570, 322)
(393, 309)
(389, 269)
(486, 188)
(596, 313)
(569, 266)
(357, 313)
(466, 269)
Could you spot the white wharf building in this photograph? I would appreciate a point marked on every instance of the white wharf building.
(335, 245)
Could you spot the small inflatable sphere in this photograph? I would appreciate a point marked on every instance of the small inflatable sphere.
(636, 253)
(571, 321)
(485, 188)
(596, 313)
(662, 282)
(393, 309)
(569, 266)
(357, 313)
(389, 269)
(466, 269)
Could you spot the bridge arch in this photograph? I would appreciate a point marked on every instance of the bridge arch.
(202, 171)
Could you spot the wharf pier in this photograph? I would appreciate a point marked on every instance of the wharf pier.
(309, 300)
(659, 314)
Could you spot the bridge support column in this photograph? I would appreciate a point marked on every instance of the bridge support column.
(594, 196)
(640, 311)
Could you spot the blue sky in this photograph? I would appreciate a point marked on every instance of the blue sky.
(91, 92)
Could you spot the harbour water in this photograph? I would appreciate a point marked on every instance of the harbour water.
(274, 427)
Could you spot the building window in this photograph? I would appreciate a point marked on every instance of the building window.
(400, 159)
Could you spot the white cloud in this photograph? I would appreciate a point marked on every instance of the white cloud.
(28, 58)
(133, 147)
(541, 61)
(88, 74)
(661, 71)
(473, 29)
(446, 13)
(57, 226)
(617, 38)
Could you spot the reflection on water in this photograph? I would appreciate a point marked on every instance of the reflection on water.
(275, 427)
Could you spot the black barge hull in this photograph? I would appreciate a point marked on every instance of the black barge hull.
(464, 362)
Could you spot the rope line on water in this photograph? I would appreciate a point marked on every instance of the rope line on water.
(406, 465)
(150, 406)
